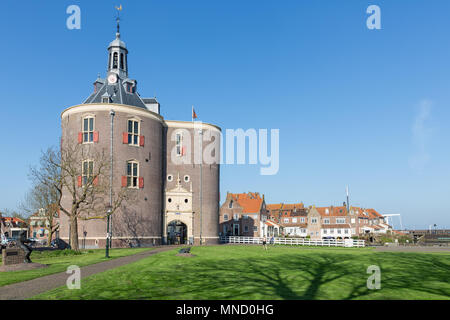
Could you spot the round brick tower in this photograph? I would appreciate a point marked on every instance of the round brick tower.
(172, 198)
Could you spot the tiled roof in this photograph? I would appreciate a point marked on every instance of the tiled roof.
(373, 214)
(275, 206)
(250, 202)
(332, 211)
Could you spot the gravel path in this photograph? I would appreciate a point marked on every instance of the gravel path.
(27, 289)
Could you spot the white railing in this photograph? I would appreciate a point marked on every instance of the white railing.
(296, 241)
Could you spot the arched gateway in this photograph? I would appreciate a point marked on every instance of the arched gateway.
(177, 232)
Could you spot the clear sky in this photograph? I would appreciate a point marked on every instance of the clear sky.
(358, 107)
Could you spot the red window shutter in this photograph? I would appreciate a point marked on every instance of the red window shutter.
(79, 181)
(80, 137)
(125, 138)
(183, 151)
(124, 181)
(95, 181)
(141, 141)
(95, 136)
(141, 182)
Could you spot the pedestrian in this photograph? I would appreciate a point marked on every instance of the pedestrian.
(272, 240)
(265, 243)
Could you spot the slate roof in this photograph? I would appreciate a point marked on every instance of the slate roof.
(117, 93)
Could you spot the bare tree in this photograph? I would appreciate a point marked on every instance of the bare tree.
(80, 173)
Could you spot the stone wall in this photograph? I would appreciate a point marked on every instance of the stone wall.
(12, 256)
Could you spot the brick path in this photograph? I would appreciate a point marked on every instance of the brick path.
(27, 289)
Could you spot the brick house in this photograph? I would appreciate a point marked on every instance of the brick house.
(39, 225)
(335, 222)
(12, 226)
(243, 214)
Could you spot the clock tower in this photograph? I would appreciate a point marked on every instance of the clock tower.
(118, 62)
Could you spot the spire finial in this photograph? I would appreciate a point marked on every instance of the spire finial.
(118, 20)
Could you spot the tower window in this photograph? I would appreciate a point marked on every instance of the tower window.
(105, 99)
(88, 129)
(132, 174)
(133, 132)
(121, 61)
(115, 62)
(87, 171)
(179, 142)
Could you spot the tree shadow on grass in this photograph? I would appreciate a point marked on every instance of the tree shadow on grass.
(279, 278)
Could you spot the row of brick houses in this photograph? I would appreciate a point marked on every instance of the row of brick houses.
(247, 214)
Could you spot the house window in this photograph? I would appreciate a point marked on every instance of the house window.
(286, 220)
(179, 144)
(324, 231)
(245, 228)
(230, 205)
(313, 220)
(225, 217)
(340, 220)
(302, 219)
(236, 216)
(294, 220)
(87, 171)
(133, 132)
(245, 216)
(346, 231)
(339, 231)
(88, 129)
(326, 221)
(331, 231)
(132, 174)
(255, 228)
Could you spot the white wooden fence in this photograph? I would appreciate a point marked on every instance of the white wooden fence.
(296, 241)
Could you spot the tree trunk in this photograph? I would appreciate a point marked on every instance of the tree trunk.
(74, 233)
(50, 236)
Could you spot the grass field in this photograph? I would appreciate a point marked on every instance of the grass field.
(249, 272)
(59, 263)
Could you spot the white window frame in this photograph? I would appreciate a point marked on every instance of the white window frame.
(86, 175)
(131, 183)
(340, 220)
(133, 137)
(225, 217)
(88, 133)
(326, 221)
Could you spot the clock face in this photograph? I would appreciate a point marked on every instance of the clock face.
(112, 78)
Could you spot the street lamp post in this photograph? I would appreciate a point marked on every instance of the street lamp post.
(108, 233)
(108, 216)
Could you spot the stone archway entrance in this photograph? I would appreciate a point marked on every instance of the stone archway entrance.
(177, 232)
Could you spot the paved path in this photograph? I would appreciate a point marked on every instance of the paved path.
(27, 289)
(413, 249)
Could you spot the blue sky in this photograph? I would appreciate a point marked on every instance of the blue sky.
(358, 107)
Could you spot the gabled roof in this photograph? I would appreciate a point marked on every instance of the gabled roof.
(332, 211)
(250, 202)
(373, 214)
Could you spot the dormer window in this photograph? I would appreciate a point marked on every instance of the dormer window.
(106, 100)
(131, 88)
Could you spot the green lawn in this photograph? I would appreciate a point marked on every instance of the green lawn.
(61, 262)
(248, 272)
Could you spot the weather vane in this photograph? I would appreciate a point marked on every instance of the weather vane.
(119, 8)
